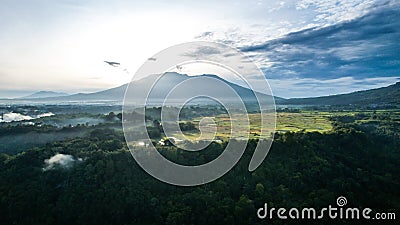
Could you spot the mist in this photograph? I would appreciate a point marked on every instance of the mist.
(12, 144)
(60, 160)
(12, 116)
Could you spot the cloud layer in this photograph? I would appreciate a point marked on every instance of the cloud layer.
(364, 50)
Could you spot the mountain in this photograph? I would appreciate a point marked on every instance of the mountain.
(45, 94)
(164, 85)
(169, 81)
(380, 96)
(384, 95)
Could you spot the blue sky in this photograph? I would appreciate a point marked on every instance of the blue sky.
(305, 48)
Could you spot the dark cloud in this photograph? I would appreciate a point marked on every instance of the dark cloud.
(365, 47)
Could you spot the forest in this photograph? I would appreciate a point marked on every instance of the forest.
(93, 179)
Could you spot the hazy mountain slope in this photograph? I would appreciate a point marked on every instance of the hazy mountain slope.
(384, 95)
(45, 94)
(160, 90)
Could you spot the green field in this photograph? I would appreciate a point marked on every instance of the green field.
(306, 121)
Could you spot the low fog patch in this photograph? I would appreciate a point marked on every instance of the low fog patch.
(12, 116)
(45, 115)
(9, 117)
(60, 161)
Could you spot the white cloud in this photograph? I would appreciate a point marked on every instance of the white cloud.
(61, 160)
(330, 12)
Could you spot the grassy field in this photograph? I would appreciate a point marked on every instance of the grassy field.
(307, 121)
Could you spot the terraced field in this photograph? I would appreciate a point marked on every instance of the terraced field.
(306, 121)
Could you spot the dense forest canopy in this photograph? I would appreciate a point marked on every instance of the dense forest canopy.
(96, 181)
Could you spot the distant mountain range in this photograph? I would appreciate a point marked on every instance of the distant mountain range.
(45, 94)
(378, 96)
(384, 95)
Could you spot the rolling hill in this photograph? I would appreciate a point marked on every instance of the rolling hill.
(378, 96)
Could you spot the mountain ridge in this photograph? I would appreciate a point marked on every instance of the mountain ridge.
(164, 85)
(44, 94)
(380, 96)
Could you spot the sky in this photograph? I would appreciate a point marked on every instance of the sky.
(305, 48)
